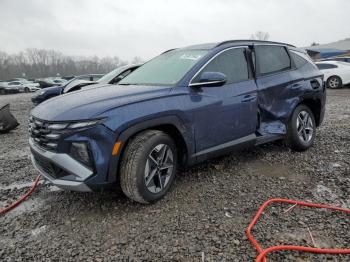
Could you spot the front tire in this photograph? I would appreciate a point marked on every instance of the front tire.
(26, 90)
(148, 166)
(301, 129)
(334, 82)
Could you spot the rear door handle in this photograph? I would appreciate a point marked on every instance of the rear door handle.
(248, 98)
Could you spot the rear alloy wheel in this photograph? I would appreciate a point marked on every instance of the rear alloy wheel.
(148, 166)
(334, 82)
(301, 129)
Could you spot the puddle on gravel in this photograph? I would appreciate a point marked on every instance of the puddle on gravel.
(16, 186)
(280, 171)
(29, 205)
(28, 185)
(301, 237)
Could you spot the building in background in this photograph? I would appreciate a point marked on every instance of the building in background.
(334, 49)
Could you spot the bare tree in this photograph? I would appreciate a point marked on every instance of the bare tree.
(260, 35)
(137, 60)
(314, 44)
(35, 63)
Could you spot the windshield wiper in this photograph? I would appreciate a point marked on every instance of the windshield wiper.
(130, 84)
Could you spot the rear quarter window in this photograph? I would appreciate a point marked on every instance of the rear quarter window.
(298, 60)
(271, 59)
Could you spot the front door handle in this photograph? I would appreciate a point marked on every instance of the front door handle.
(248, 98)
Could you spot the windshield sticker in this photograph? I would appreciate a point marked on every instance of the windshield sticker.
(190, 57)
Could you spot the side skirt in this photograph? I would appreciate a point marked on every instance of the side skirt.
(237, 144)
(225, 148)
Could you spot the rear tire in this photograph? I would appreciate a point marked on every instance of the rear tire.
(26, 89)
(334, 82)
(148, 166)
(301, 130)
(2, 91)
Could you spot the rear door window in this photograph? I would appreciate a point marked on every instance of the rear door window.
(271, 59)
(231, 62)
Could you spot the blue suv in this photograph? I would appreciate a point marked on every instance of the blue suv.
(182, 107)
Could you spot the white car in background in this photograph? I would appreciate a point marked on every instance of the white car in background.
(336, 73)
(19, 86)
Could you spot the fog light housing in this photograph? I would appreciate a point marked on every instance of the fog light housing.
(80, 151)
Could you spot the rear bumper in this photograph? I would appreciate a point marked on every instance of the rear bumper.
(60, 169)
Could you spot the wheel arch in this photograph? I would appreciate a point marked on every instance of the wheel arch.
(315, 106)
(170, 125)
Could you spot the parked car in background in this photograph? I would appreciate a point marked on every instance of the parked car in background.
(19, 86)
(82, 81)
(112, 77)
(185, 106)
(48, 82)
(6, 89)
(340, 59)
(336, 74)
(16, 79)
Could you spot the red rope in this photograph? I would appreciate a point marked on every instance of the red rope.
(23, 198)
(263, 253)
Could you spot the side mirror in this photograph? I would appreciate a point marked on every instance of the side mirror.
(210, 79)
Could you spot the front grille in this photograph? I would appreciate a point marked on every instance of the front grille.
(49, 167)
(41, 135)
(45, 165)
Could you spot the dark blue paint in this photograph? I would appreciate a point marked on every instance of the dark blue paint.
(206, 117)
(47, 93)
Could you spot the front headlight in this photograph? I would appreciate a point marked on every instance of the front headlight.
(74, 125)
(83, 124)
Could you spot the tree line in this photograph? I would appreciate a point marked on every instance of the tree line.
(38, 63)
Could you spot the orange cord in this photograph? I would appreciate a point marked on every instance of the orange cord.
(23, 198)
(263, 253)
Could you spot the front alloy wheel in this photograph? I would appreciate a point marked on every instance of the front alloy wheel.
(148, 166)
(159, 168)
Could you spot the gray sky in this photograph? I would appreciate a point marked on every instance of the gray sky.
(145, 28)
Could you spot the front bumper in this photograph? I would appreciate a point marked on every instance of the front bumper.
(60, 169)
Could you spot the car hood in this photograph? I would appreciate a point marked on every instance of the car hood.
(92, 102)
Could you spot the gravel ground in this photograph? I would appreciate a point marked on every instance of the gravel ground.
(204, 216)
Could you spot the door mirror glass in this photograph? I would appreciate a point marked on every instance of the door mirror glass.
(210, 79)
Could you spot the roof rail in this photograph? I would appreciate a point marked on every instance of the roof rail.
(251, 41)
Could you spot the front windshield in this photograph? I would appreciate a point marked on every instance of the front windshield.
(166, 69)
